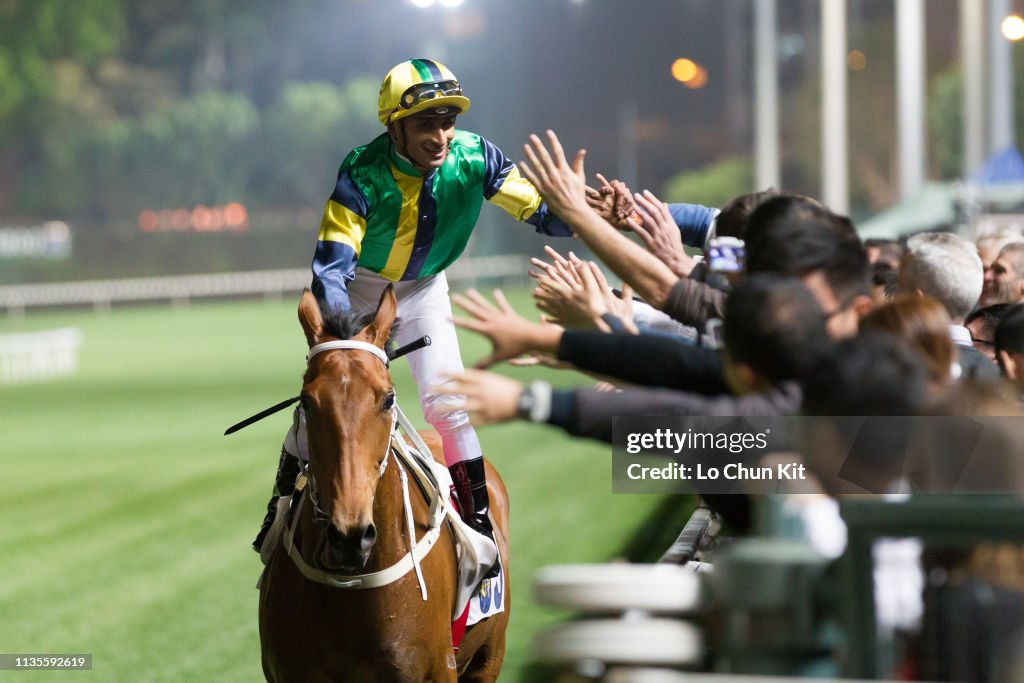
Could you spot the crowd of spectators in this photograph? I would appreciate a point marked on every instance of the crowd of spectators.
(812, 321)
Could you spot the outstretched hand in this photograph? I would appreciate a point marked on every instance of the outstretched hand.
(575, 293)
(561, 185)
(561, 269)
(510, 334)
(660, 233)
(487, 397)
(613, 201)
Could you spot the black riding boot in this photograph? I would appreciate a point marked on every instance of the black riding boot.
(471, 490)
(288, 469)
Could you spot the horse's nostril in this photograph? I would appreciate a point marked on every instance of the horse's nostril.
(351, 549)
(369, 537)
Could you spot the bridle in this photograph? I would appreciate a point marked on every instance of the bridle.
(414, 458)
(319, 515)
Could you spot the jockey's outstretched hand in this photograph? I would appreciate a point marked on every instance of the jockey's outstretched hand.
(561, 185)
(488, 396)
(511, 334)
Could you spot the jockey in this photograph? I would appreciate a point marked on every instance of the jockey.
(402, 211)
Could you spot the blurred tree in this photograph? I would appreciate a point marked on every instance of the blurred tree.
(46, 46)
(192, 152)
(220, 45)
(100, 86)
(36, 35)
(945, 123)
(713, 185)
(305, 134)
(945, 117)
(212, 148)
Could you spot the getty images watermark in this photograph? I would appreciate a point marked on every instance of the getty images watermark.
(716, 455)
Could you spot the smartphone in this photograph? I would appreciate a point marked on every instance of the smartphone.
(726, 255)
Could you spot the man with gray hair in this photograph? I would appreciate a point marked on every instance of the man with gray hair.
(989, 245)
(1004, 280)
(947, 268)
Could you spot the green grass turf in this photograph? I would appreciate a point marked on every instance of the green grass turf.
(127, 516)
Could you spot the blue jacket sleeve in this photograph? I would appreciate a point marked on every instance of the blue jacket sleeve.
(337, 248)
(505, 187)
(334, 266)
(547, 223)
(694, 222)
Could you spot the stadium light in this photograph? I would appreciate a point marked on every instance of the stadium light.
(684, 70)
(856, 60)
(1013, 27)
(689, 73)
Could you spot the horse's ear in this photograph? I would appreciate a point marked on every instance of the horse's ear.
(379, 330)
(310, 319)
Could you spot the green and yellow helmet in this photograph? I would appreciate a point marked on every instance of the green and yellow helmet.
(418, 85)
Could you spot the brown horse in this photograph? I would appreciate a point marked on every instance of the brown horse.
(354, 523)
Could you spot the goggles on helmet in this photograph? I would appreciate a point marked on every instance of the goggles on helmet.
(424, 92)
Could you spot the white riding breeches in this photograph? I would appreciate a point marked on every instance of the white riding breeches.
(424, 309)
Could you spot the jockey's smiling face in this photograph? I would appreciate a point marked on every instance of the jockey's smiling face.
(424, 139)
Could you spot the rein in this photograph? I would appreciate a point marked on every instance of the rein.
(414, 345)
(413, 458)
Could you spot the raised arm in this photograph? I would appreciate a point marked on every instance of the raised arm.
(564, 191)
(643, 359)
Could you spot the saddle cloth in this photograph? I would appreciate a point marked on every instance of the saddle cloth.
(476, 554)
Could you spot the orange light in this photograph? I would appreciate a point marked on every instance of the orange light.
(685, 70)
(201, 218)
(216, 219)
(699, 80)
(856, 60)
(148, 220)
(181, 219)
(235, 214)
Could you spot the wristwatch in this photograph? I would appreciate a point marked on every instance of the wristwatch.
(535, 402)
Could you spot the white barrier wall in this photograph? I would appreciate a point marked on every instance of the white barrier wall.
(180, 289)
(38, 356)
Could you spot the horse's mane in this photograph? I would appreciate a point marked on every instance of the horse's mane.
(345, 325)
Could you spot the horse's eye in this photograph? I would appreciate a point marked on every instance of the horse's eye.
(389, 401)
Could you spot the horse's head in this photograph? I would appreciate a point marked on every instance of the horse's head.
(349, 404)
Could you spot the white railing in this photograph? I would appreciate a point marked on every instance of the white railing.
(36, 356)
(180, 289)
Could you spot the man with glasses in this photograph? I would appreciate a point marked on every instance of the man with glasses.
(402, 210)
(982, 324)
